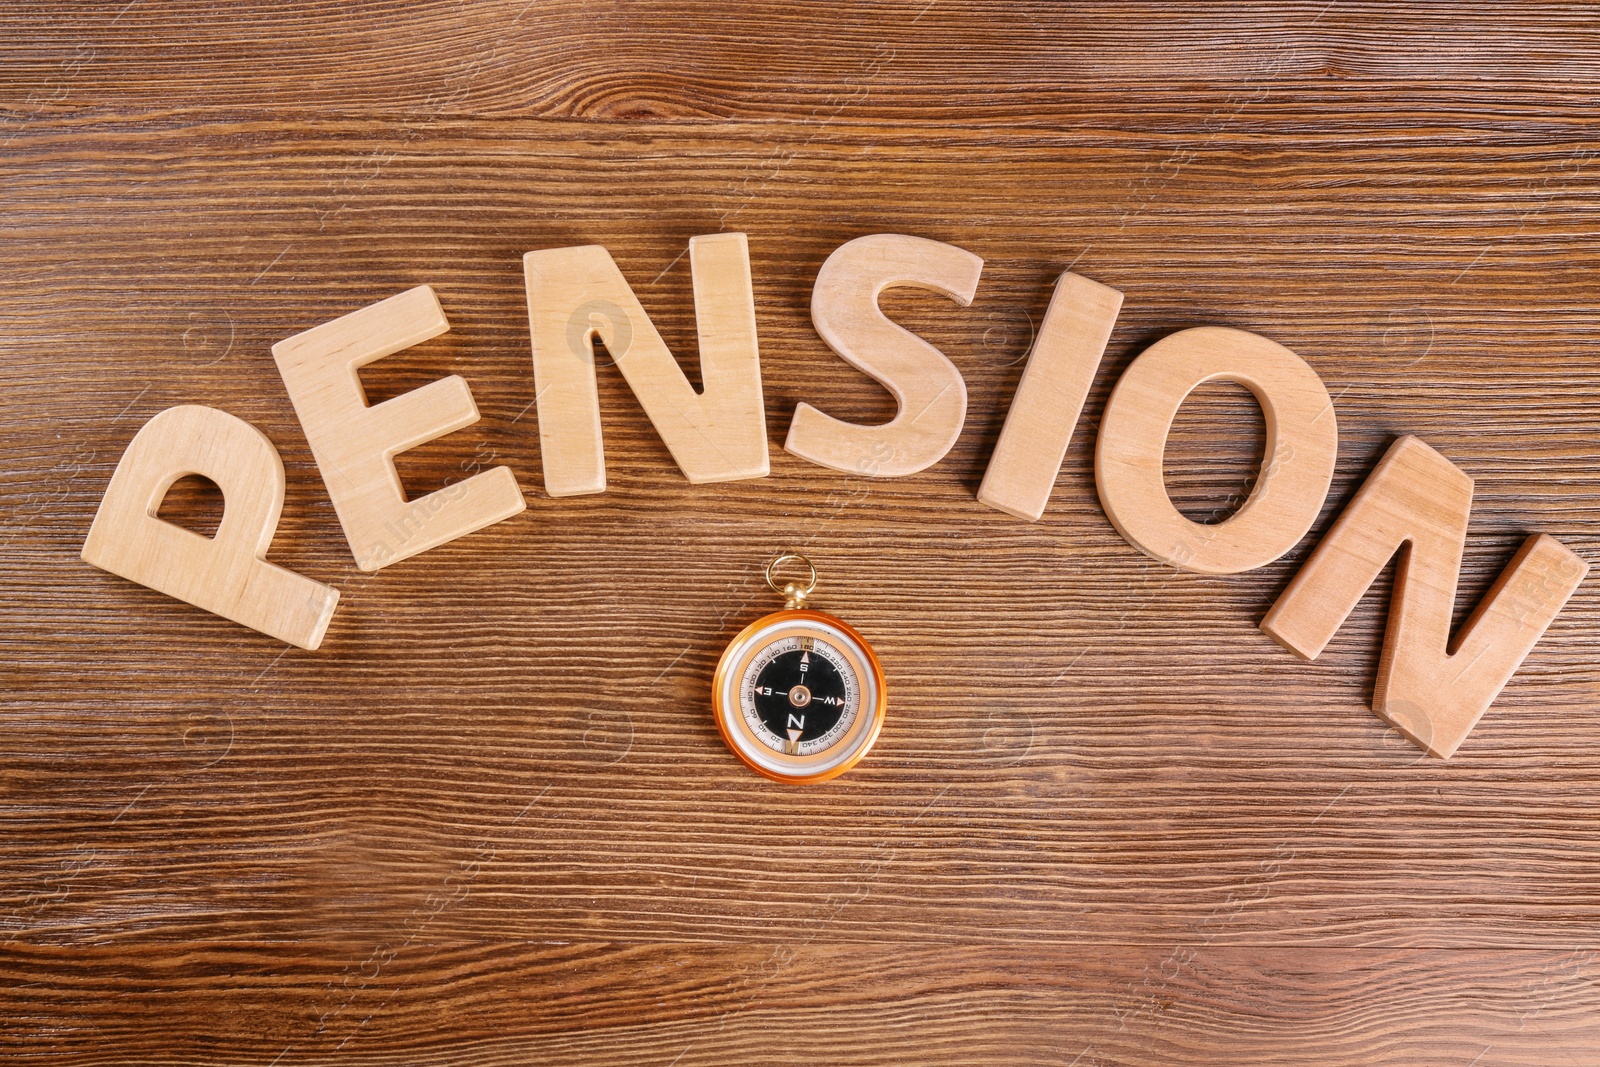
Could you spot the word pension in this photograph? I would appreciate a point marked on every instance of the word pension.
(1432, 685)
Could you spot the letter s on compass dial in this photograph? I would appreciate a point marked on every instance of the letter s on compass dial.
(799, 696)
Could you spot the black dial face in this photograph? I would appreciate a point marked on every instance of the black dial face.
(799, 691)
(801, 696)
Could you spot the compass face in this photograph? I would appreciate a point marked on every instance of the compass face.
(799, 696)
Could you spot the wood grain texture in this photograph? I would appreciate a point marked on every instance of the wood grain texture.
(490, 820)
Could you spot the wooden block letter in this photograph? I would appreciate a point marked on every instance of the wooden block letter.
(1302, 444)
(1431, 688)
(928, 387)
(1049, 399)
(577, 294)
(355, 445)
(226, 574)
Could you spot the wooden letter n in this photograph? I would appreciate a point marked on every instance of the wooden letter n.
(1430, 687)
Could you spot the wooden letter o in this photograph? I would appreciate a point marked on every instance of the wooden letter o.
(1302, 444)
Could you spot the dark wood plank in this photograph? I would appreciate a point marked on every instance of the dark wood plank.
(501, 766)
(759, 1003)
(1188, 67)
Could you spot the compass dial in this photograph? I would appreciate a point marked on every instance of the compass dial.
(799, 696)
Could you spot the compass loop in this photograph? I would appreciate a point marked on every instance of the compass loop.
(793, 593)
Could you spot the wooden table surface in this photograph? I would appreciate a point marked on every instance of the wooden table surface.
(491, 822)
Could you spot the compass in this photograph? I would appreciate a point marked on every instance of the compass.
(799, 695)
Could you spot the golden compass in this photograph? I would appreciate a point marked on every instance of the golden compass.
(799, 695)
